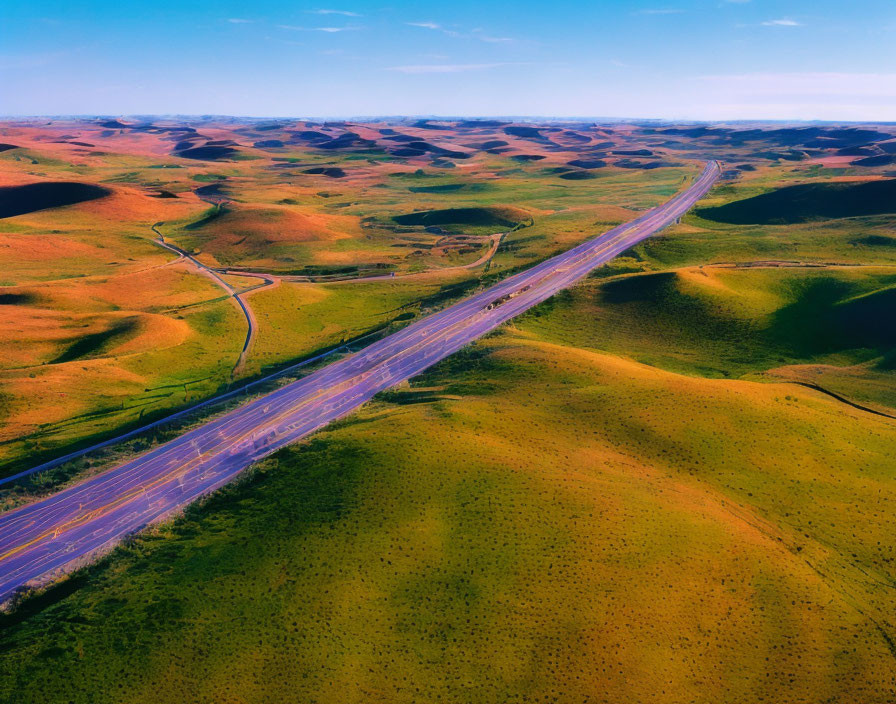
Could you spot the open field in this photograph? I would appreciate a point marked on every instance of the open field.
(325, 201)
(89, 292)
(672, 483)
(39, 540)
(830, 326)
(527, 520)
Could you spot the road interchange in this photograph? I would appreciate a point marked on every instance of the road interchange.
(41, 539)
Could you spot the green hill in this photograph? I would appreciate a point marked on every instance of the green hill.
(808, 201)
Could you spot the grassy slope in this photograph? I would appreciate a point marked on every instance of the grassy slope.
(92, 255)
(93, 350)
(649, 536)
(807, 202)
(80, 272)
(579, 527)
(54, 405)
(296, 319)
(843, 240)
(737, 323)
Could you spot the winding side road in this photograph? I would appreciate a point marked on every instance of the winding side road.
(494, 243)
(252, 328)
(40, 539)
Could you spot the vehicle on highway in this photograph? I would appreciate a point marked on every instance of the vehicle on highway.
(42, 538)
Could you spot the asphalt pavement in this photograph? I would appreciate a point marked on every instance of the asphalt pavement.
(41, 539)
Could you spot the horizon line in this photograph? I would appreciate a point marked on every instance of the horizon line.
(448, 118)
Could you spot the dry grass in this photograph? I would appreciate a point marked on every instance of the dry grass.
(577, 528)
(552, 515)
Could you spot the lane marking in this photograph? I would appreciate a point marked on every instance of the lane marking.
(665, 213)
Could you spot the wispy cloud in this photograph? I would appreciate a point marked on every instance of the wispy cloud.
(239, 20)
(330, 30)
(481, 36)
(794, 96)
(344, 13)
(448, 68)
(477, 33)
(783, 22)
(620, 64)
(661, 11)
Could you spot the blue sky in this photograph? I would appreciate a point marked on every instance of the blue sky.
(696, 59)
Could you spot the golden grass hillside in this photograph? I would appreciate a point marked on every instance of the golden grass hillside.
(262, 237)
(823, 325)
(107, 350)
(527, 522)
(289, 209)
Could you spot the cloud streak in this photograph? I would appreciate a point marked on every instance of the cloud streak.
(783, 22)
(475, 34)
(448, 68)
(343, 13)
(329, 30)
(478, 34)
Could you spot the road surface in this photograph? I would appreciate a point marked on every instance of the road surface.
(216, 277)
(177, 415)
(39, 540)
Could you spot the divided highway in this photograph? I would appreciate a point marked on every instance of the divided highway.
(42, 538)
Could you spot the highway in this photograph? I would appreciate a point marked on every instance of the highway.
(39, 540)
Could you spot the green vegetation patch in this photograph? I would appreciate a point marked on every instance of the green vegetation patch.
(875, 241)
(207, 217)
(452, 188)
(739, 322)
(18, 299)
(505, 547)
(502, 216)
(808, 201)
